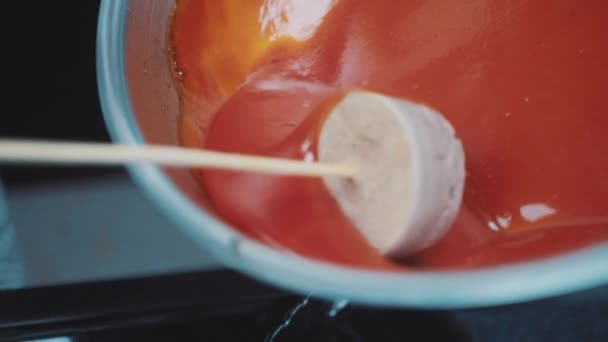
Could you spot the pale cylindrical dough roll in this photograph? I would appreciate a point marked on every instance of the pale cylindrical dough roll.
(410, 176)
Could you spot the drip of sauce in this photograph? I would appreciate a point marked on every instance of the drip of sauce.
(522, 82)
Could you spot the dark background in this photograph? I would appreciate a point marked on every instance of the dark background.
(50, 84)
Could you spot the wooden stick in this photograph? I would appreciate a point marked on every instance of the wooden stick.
(45, 152)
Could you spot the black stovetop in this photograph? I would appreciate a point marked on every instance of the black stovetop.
(221, 305)
(82, 281)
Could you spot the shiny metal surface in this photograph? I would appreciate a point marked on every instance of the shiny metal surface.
(96, 229)
(11, 268)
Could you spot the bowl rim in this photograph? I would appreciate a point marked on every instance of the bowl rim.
(587, 268)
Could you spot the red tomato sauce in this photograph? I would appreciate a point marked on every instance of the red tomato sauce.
(524, 83)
